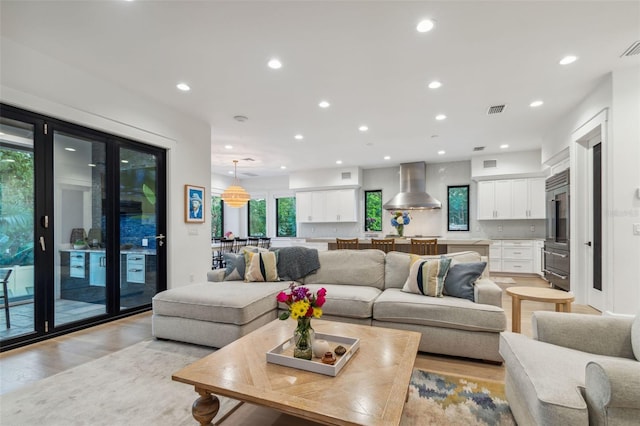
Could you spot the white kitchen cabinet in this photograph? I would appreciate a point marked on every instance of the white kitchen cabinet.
(515, 256)
(327, 206)
(528, 198)
(494, 199)
(511, 199)
(97, 269)
(76, 264)
(135, 268)
(495, 256)
(538, 246)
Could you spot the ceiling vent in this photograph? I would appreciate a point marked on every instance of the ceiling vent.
(250, 174)
(490, 164)
(496, 109)
(634, 49)
(248, 159)
(478, 148)
(346, 175)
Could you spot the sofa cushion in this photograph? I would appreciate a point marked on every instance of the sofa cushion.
(233, 302)
(427, 277)
(635, 336)
(235, 267)
(346, 300)
(461, 278)
(261, 267)
(397, 265)
(394, 305)
(350, 267)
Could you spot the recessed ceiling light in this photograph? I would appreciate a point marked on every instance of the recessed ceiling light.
(240, 118)
(91, 165)
(569, 59)
(339, 162)
(298, 137)
(386, 157)
(441, 152)
(283, 167)
(440, 117)
(425, 25)
(363, 128)
(70, 149)
(504, 146)
(274, 64)
(535, 104)
(435, 136)
(125, 161)
(228, 147)
(324, 104)
(183, 86)
(434, 85)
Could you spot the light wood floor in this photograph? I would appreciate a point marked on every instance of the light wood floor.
(20, 367)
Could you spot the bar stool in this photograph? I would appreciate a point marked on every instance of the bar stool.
(384, 244)
(4, 276)
(347, 244)
(424, 247)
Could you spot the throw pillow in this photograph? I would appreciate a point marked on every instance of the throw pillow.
(261, 267)
(461, 279)
(427, 277)
(235, 267)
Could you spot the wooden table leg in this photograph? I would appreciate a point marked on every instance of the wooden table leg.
(206, 407)
(515, 313)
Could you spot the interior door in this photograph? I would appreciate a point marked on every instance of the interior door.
(593, 244)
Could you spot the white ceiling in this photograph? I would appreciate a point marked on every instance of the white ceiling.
(365, 57)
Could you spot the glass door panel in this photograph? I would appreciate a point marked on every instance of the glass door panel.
(16, 228)
(140, 238)
(80, 286)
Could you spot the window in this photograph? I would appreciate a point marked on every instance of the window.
(217, 217)
(286, 217)
(373, 210)
(257, 218)
(458, 197)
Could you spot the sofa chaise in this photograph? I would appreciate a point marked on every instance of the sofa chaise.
(363, 286)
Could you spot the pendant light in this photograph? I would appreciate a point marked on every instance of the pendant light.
(235, 195)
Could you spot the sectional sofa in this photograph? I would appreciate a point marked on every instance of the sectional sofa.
(363, 286)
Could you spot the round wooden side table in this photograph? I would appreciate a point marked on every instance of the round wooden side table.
(562, 300)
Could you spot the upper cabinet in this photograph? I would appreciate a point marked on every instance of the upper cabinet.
(494, 199)
(327, 206)
(511, 199)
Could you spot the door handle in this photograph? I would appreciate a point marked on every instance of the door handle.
(42, 245)
(588, 243)
(160, 239)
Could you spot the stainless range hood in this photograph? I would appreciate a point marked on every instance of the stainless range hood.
(413, 194)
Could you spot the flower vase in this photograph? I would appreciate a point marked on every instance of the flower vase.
(400, 230)
(303, 339)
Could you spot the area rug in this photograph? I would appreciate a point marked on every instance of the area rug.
(134, 387)
(439, 399)
(130, 387)
(503, 280)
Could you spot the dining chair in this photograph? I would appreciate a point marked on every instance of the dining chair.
(253, 241)
(240, 243)
(4, 276)
(347, 244)
(384, 244)
(424, 247)
(226, 246)
(265, 242)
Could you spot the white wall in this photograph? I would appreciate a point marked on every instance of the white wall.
(40, 83)
(509, 165)
(326, 178)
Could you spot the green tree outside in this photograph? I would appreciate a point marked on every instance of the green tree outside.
(373, 210)
(286, 217)
(216, 217)
(257, 218)
(459, 208)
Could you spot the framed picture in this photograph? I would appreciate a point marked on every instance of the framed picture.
(193, 204)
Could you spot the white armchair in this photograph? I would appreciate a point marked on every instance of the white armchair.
(577, 370)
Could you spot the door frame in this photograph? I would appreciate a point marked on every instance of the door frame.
(581, 231)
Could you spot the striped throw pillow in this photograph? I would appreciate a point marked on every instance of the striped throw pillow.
(261, 267)
(427, 277)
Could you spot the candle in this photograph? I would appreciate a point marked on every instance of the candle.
(320, 347)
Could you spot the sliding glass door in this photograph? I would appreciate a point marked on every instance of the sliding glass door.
(82, 226)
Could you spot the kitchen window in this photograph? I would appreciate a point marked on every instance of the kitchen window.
(257, 218)
(458, 207)
(373, 210)
(286, 217)
(217, 216)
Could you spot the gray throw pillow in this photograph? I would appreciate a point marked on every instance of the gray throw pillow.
(235, 267)
(460, 279)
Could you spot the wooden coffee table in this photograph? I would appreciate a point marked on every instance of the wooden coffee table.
(562, 299)
(371, 389)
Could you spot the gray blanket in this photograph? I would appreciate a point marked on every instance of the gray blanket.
(296, 262)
